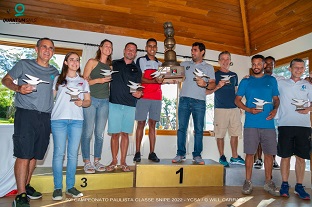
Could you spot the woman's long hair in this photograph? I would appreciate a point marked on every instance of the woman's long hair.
(98, 53)
(62, 78)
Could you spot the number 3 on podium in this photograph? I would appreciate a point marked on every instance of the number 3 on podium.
(84, 182)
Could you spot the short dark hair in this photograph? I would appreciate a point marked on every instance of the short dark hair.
(201, 47)
(270, 57)
(151, 40)
(223, 53)
(258, 57)
(131, 43)
(44, 38)
(296, 60)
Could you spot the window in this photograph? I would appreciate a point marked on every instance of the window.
(209, 117)
(169, 107)
(168, 119)
(10, 54)
(283, 64)
(282, 70)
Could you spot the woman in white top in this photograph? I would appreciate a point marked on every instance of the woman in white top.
(72, 94)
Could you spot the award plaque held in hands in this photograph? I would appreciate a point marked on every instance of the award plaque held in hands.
(227, 78)
(74, 93)
(34, 81)
(108, 73)
(299, 103)
(260, 103)
(134, 87)
(200, 74)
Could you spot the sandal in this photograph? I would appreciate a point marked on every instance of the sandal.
(125, 168)
(89, 168)
(110, 168)
(99, 166)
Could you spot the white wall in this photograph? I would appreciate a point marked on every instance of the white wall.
(290, 48)
(165, 146)
(241, 63)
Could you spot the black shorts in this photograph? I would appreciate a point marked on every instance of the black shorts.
(31, 133)
(294, 140)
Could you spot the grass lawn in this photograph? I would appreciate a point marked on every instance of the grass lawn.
(4, 121)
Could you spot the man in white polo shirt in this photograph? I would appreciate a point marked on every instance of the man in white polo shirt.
(294, 131)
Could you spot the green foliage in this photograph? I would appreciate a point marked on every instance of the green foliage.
(11, 120)
(6, 100)
(168, 118)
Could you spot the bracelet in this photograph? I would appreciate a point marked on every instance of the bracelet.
(207, 85)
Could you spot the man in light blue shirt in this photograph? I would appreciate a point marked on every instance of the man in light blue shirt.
(294, 130)
(193, 101)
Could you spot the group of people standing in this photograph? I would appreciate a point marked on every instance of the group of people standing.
(266, 99)
(71, 106)
(101, 99)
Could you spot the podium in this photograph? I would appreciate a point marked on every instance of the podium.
(185, 174)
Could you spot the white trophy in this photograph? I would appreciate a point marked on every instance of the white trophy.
(260, 103)
(299, 103)
(135, 87)
(227, 78)
(200, 74)
(74, 92)
(158, 74)
(34, 81)
(108, 73)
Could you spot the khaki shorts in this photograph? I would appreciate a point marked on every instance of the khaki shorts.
(227, 120)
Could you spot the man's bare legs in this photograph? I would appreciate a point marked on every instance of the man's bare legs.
(124, 143)
(21, 171)
(152, 139)
(152, 134)
(235, 159)
(234, 144)
(114, 149)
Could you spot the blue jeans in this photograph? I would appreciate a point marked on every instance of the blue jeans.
(95, 117)
(62, 129)
(197, 108)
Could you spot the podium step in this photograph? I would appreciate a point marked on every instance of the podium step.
(235, 176)
(42, 180)
(168, 174)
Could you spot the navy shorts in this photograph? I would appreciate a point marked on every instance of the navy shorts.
(294, 140)
(31, 133)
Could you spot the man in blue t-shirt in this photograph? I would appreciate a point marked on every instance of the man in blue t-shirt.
(227, 117)
(261, 105)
